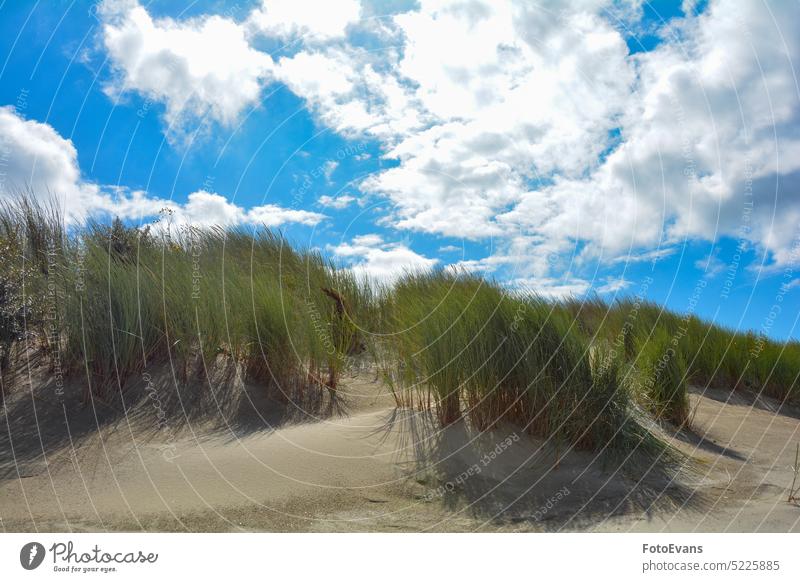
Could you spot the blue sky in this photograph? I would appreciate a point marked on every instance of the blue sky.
(570, 148)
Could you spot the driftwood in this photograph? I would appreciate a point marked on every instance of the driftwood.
(341, 307)
(339, 331)
(356, 345)
(793, 492)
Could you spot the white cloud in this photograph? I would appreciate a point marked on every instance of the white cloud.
(343, 88)
(367, 240)
(614, 285)
(199, 67)
(34, 157)
(337, 202)
(273, 215)
(712, 129)
(312, 20)
(328, 168)
(532, 124)
(553, 288)
(712, 265)
(536, 123)
(369, 255)
(450, 249)
(206, 209)
(516, 93)
(646, 256)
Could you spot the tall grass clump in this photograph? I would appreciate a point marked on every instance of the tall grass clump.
(663, 377)
(747, 361)
(705, 354)
(33, 251)
(468, 348)
(116, 300)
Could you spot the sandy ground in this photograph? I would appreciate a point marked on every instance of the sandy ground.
(371, 467)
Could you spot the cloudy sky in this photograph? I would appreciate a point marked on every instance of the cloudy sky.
(616, 147)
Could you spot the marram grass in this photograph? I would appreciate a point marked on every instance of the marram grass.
(123, 300)
(102, 304)
(467, 348)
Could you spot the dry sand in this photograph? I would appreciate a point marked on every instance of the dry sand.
(371, 467)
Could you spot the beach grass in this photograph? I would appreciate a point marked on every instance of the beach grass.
(468, 348)
(105, 302)
(111, 301)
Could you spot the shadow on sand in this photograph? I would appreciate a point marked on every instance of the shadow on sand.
(41, 425)
(505, 476)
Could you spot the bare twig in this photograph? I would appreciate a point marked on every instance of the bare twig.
(793, 492)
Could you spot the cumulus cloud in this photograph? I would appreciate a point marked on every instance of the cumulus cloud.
(311, 20)
(707, 145)
(34, 157)
(533, 124)
(337, 202)
(273, 215)
(507, 101)
(538, 123)
(369, 255)
(205, 209)
(554, 288)
(614, 285)
(203, 67)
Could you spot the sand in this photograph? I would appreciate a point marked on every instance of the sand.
(371, 467)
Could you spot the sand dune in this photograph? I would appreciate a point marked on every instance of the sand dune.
(371, 467)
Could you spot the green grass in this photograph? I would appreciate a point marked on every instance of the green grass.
(105, 303)
(662, 377)
(124, 300)
(468, 348)
(693, 351)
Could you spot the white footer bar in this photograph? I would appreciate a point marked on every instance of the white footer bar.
(388, 557)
